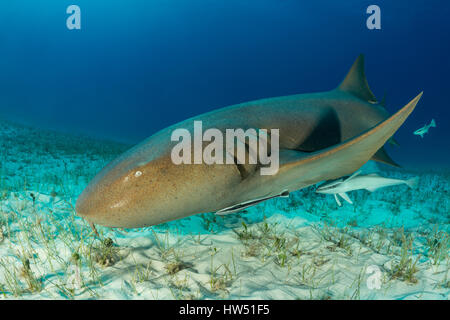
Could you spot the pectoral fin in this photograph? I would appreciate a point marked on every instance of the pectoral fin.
(337, 200)
(345, 197)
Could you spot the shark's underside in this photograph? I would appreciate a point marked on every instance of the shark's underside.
(322, 136)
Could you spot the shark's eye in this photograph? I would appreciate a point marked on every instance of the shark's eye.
(138, 174)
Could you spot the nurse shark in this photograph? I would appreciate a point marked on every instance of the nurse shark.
(322, 136)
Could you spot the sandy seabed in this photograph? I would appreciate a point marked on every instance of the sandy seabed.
(391, 244)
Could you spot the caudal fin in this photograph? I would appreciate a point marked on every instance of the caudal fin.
(344, 158)
(412, 183)
(433, 123)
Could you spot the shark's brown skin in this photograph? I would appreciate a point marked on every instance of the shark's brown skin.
(322, 136)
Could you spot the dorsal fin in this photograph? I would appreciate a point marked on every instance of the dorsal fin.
(383, 101)
(356, 83)
(382, 156)
(353, 175)
(393, 142)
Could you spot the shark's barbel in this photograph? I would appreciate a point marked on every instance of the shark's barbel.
(322, 136)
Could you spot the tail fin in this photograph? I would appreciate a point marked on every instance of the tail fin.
(412, 183)
(344, 158)
(433, 123)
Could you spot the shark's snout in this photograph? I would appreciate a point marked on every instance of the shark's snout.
(87, 206)
(81, 208)
(101, 200)
(93, 206)
(110, 203)
(112, 198)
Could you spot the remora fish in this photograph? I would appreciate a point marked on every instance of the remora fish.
(370, 182)
(322, 136)
(420, 132)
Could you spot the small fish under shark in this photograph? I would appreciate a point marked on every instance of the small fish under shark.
(420, 132)
(369, 182)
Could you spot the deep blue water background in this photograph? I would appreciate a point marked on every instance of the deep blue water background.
(138, 66)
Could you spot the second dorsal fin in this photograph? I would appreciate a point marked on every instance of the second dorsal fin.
(382, 156)
(356, 83)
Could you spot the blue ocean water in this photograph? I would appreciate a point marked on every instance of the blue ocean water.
(138, 66)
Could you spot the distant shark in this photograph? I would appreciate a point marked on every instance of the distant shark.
(370, 182)
(322, 136)
(420, 132)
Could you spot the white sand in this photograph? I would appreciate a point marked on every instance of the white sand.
(286, 250)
